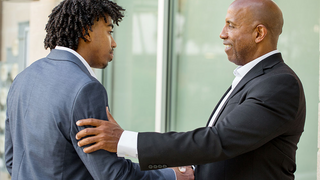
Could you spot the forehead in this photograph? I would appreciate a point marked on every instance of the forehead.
(109, 19)
(238, 14)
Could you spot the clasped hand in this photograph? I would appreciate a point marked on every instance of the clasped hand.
(185, 172)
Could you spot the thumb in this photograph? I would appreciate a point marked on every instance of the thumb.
(110, 118)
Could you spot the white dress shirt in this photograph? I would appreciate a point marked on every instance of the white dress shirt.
(85, 63)
(127, 145)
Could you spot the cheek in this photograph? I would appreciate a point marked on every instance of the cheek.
(110, 40)
(105, 43)
(242, 43)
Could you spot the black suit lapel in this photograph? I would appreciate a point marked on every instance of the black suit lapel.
(256, 71)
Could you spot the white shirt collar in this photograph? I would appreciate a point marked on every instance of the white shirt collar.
(84, 62)
(241, 71)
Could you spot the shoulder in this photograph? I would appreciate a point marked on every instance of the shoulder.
(278, 86)
(91, 85)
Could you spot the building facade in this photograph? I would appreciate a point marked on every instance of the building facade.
(170, 68)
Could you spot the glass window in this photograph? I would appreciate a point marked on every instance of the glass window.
(131, 77)
(201, 73)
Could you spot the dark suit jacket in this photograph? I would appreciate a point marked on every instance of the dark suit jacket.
(254, 137)
(44, 103)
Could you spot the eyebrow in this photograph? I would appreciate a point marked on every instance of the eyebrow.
(110, 25)
(230, 22)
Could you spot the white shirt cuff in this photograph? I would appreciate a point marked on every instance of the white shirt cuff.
(127, 145)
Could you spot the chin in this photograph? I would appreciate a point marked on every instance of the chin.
(231, 60)
(101, 66)
(105, 65)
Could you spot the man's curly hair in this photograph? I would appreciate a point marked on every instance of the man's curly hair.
(71, 18)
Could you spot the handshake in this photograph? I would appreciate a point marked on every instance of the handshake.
(184, 172)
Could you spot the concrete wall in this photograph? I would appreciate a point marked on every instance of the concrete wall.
(39, 12)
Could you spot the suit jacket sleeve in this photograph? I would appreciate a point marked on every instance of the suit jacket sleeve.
(8, 142)
(91, 102)
(268, 108)
(8, 147)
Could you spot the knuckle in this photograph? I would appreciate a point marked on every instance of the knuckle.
(103, 136)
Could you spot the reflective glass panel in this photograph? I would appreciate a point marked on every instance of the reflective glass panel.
(131, 77)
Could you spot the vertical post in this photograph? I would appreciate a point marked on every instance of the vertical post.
(161, 66)
(318, 154)
(0, 29)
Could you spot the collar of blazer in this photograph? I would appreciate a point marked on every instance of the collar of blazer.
(258, 70)
(60, 55)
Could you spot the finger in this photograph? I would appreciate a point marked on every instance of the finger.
(89, 122)
(110, 118)
(87, 141)
(109, 114)
(86, 132)
(91, 148)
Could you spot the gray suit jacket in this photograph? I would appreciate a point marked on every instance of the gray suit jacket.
(43, 105)
(254, 137)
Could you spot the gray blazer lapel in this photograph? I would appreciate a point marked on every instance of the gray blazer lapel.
(61, 55)
(256, 71)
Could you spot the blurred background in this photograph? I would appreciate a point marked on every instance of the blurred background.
(170, 68)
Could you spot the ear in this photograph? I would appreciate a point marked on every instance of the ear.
(86, 35)
(260, 33)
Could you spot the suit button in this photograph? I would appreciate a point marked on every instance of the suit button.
(150, 166)
(164, 166)
(155, 166)
(159, 166)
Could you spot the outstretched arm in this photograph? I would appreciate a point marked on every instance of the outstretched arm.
(106, 135)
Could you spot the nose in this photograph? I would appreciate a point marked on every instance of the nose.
(224, 34)
(113, 43)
